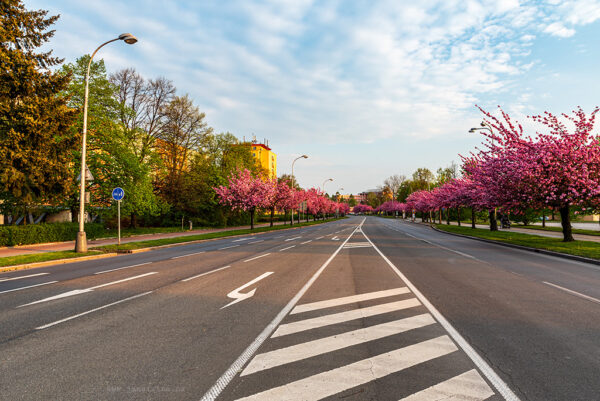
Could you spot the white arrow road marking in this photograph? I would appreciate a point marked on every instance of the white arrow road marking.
(238, 296)
(77, 292)
(335, 238)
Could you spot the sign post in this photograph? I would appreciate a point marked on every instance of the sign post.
(118, 195)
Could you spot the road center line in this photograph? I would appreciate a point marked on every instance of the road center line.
(578, 294)
(227, 247)
(257, 257)
(20, 277)
(205, 273)
(236, 366)
(121, 268)
(188, 254)
(486, 369)
(29, 286)
(289, 247)
(90, 311)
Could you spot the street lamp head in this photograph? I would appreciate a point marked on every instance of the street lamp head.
(128, 38)
(304, 156)
(483, 124)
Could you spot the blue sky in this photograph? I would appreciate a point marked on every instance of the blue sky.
(367, 89)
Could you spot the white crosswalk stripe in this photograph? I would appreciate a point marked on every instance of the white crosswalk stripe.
(341, 317)
(337, 380)
(469, 386)
(348, 300)
(317, 347)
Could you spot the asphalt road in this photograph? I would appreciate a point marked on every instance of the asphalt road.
(360, 309)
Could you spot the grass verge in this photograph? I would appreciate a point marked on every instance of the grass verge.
(42, 257)
(221, 234)
(586, 249)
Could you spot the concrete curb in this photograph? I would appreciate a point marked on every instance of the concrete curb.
(525, 248)
(55, 262)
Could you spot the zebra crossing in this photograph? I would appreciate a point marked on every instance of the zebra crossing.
(330, 381)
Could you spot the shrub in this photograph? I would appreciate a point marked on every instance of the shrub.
(45, 232)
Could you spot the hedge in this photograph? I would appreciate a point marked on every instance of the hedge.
(45, 232)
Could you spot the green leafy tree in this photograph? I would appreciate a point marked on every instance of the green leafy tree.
(352, 201)
(35, 142)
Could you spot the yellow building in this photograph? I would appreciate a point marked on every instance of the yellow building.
(265, 157)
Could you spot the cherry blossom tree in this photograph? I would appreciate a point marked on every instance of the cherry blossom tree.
(244, 192)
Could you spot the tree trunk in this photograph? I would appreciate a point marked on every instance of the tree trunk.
(458, 215)
(448, 216)
(292, 217)
(440, 216)
(493, 222)
(565, 221)
(472, 217)
(272, 215)
(252, 219)
(544, 220)
(132, 221)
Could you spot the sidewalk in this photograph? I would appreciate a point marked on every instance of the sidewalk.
(70, 245)
(540, 233)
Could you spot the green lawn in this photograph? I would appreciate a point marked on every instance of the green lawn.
(580, 248)
(220, 234)
(42, 257)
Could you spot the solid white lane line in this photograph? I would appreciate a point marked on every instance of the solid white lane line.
(291, 239)
(257, 257)
(29, 286)
(90, 311)
(289, 247)
(188, 254)
(578, 294)
(319, 237)
(486, 369)
(468, 386)
(205, 273)
(329, 383)
(241, 239)
(321, 346)
(348, 300)
(227, 247)
(256, 242)
(327, 320)
(83, 291)
(236, 366)
(20, 277)
(121, 268)
(305, 242)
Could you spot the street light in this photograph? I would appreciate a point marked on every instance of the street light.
(81, 241)
(300, 157)
(486, 126)
(323, 186)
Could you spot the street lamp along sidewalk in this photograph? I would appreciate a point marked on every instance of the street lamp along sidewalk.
(81, 241)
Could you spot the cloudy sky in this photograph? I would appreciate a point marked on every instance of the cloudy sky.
(367, 89)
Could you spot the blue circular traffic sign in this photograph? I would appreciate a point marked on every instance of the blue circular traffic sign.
(118, 193)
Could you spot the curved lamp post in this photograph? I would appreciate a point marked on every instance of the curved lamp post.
(324, 182)
(300, 157)
(81, 241)
(493, 226)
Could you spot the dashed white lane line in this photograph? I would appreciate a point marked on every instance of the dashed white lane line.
(336, 318)
(20, 277)
(257, 257)
(319, 237)
(305, 242)
(85, 290)
(241, 239)
(289, 247)
(205, 273)
(467, 386)
(348, 300)
(578, 294)
(187, 254)
(227, 247)
(466, 255)
(121, 268)
(332, 382)
(91, 311)
(29, 286)
(256, 242)
(293, 238)
(321, 346)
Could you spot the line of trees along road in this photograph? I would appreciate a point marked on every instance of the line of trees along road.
(142, 136)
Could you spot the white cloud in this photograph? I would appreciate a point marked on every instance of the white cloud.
(558, 29)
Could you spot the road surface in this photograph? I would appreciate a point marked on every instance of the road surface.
(359, 309)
